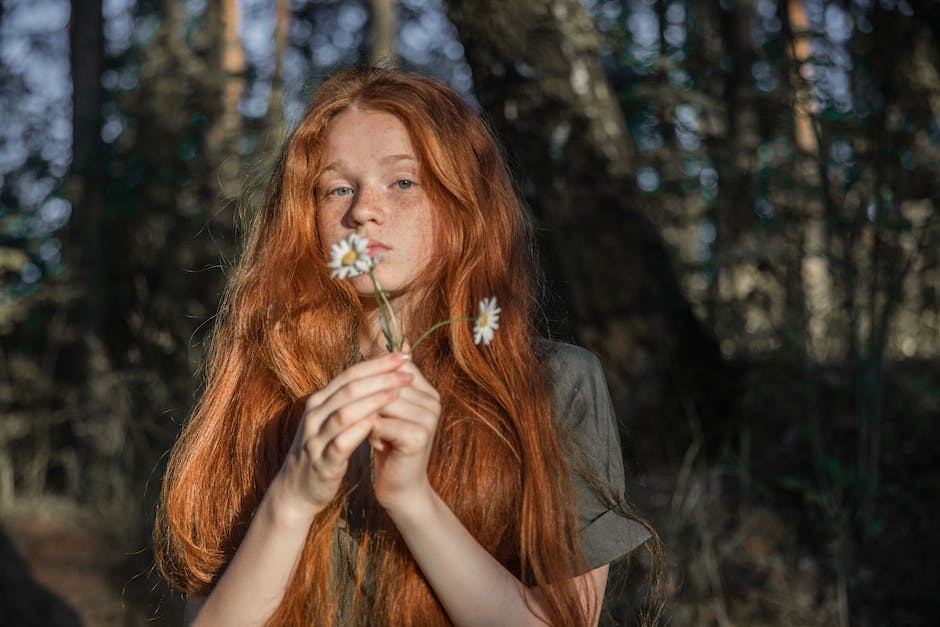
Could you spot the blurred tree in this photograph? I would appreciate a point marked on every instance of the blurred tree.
(538, 76)
(86, 369)
(34, 141)
(223, 137)
(275, 118)
(152, 211)
(176, 173)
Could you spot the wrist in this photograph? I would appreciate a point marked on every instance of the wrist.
(415, 506)
(284, 508)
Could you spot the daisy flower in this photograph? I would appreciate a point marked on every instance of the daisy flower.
(350, 257)
(487, 322)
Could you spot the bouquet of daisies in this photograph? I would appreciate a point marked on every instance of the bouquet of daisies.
(350, 258)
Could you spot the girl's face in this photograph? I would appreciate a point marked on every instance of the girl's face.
(371, 185)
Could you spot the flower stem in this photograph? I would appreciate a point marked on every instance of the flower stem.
(386, 311)
(435, 327)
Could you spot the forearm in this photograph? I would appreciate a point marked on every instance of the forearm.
(474, 588)
(254, 582)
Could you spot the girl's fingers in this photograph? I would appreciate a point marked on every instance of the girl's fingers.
(389, 391)
(402, 409)
(404, 436)
(419, 380)
(354, 390)
(409, 411)
(370, 367)
(336, 420)
(319, 434)
(339, 449)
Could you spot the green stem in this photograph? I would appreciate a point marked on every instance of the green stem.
(434, 328)
(385, 310)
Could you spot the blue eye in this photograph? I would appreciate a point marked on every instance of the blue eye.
(341, 191)
(404, 184)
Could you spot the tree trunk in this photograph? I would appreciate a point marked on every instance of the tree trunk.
(276, 101)
(538, 77)
(88, 176)
(274, 124)
(222, 138)
(86, 367)
(384, 33)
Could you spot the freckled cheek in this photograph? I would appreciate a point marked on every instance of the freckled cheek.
(431, 228)
(329, 229)
(422, 258)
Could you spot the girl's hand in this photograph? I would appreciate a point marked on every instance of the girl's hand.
(335, 421)
(402, 438)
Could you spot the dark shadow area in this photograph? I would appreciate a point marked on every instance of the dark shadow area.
(25, 602)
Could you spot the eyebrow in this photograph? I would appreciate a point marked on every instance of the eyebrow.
(338, 165)
(398, 157)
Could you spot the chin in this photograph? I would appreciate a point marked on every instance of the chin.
(362, 284)
(389, 282)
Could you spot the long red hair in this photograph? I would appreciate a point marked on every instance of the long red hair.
(285, 329)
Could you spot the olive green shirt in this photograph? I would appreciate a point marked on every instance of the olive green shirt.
(584, 415)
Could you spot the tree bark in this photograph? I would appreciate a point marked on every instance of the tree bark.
(86, 367)
(281, 26)
(384, 33)
(538, 77)
(222, 138)
(87, 183)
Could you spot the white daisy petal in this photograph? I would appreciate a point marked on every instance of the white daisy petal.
(350, 257)
(487, 321)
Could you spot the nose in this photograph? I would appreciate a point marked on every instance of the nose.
(367, 206)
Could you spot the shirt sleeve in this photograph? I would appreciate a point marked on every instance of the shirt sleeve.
(585, 417)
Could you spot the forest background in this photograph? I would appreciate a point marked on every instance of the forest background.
(738, 211)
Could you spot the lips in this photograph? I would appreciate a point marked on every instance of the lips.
(376, 247)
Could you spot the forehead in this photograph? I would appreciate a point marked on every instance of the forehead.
(366, 132)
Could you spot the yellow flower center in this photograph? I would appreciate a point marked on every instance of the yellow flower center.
(482, 320)
(350, 258)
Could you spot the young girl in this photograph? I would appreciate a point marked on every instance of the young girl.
(325, 481)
